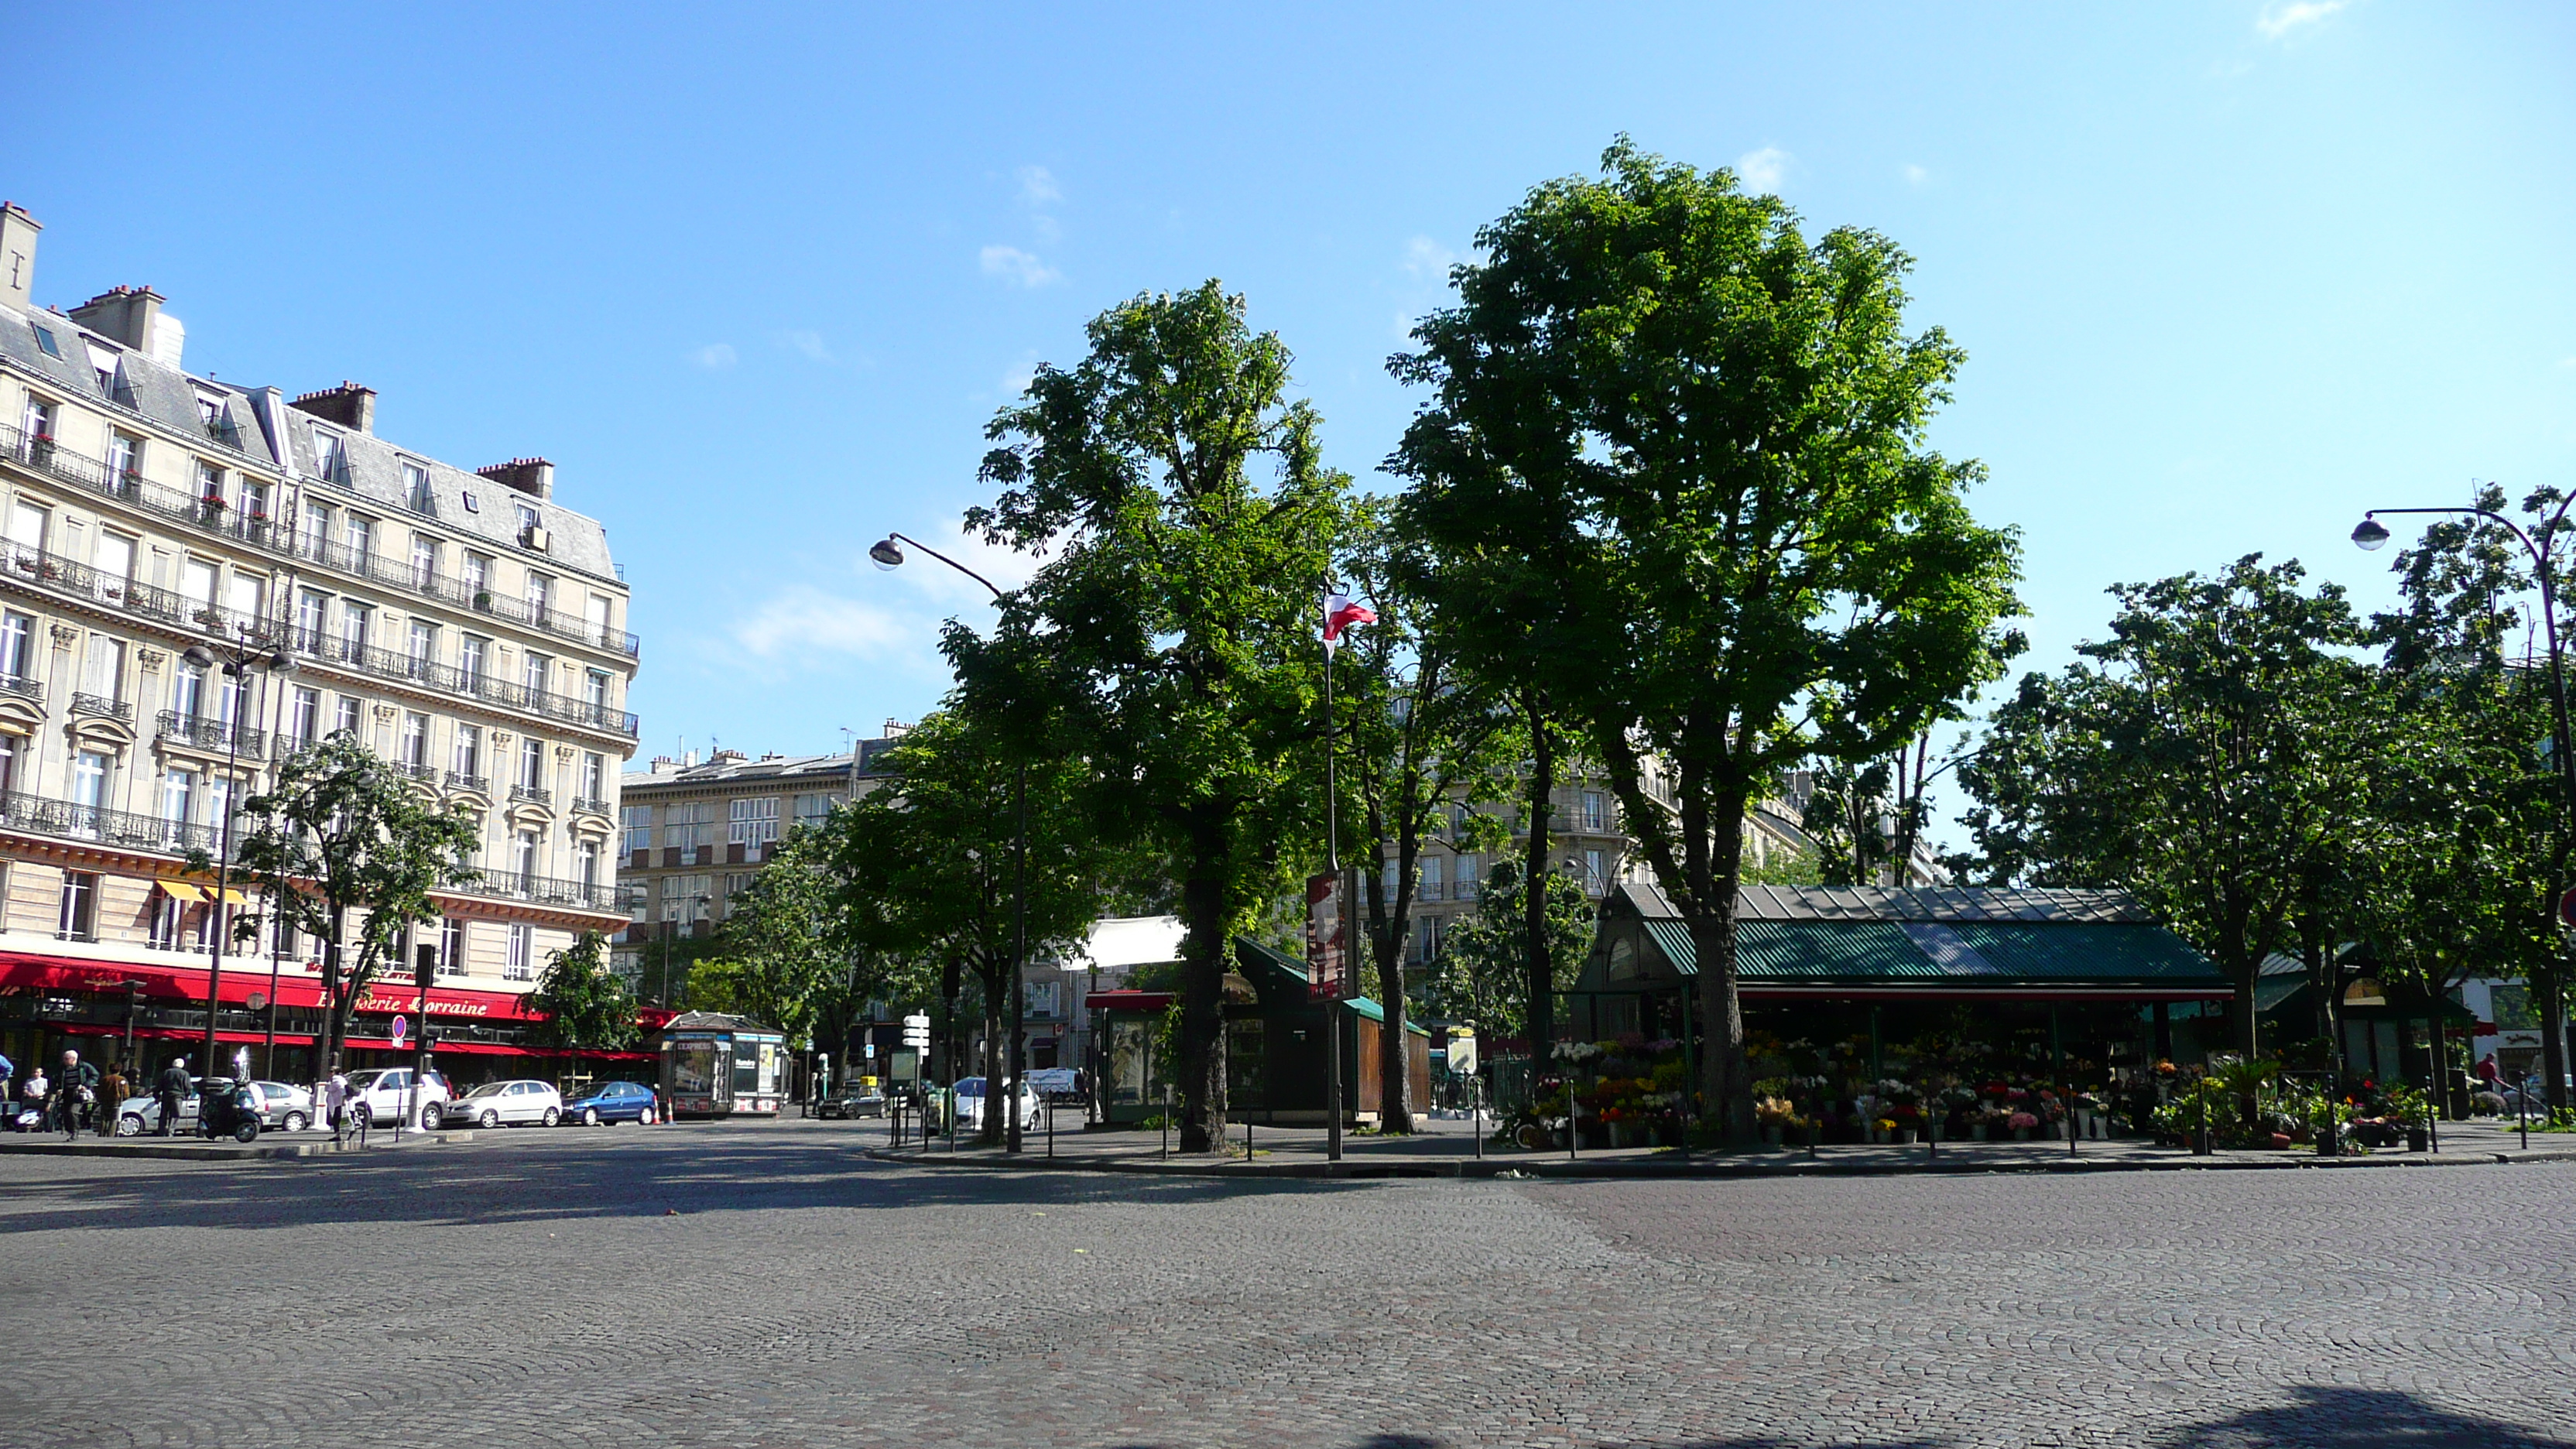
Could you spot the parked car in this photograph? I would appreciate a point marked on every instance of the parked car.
(608, 1102)
(384, 1094)
(141, 1116)
(970, 1106)
(853, 1100)
(284, 1106)
(510, 1104)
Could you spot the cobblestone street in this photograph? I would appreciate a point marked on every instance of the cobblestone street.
(768, 1286)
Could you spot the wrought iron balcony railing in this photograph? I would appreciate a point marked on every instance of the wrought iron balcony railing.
(103, 708)
(211, 734)
(260, 531)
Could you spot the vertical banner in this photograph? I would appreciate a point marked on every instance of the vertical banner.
(1327, 941)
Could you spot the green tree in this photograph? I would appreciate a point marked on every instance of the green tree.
(1192, 521)
(345, 849)
(924, 869)
(789, 941)
(1714, 430)
(1421, 739)
(1482, 972)
(2211, 757)
(584, 1004)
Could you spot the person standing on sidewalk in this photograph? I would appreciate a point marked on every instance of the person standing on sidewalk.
(335, 1101)
(170, 1088)
(74, 1090)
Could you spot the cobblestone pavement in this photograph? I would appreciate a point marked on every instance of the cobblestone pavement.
(767, 1286)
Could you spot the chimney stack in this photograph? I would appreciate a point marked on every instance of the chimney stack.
(351, 406)
(124, 314)
(533, 476)
(18, 255)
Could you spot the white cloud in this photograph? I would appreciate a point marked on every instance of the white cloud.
(1038, 187)
(2283, 17)
(1763, 170)
(1428, 260)
(715, 355)
(808, 343)
(1022, 373)
(1917, 176)
(802, 618)
(1017, 266)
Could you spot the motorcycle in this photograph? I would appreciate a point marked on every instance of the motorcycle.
(227, 1108)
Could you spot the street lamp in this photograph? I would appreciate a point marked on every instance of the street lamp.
(887, 553)
(131, 987)
(238, 656)
(2370, 535)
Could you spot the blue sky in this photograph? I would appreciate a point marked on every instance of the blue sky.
(2227, 273)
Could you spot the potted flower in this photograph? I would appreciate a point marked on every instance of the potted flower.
(2021, 1124)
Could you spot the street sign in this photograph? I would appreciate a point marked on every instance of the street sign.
(258, 1001)
(1327, 939)
(400, 1029)
(916, 1031)
(2567, 908)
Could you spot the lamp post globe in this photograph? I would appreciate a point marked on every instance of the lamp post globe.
(2370, 535)
(885, 553)
(198, 655)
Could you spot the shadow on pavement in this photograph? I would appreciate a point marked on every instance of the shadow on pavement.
(2340, 1418)
(484, 1184)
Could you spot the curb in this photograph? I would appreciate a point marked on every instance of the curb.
(224, 1152)
(1495, 1167)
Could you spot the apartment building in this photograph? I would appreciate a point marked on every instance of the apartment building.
(1586, 840)
(692, 833)
(464, 624)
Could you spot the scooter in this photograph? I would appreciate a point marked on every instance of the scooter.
(227, 1108)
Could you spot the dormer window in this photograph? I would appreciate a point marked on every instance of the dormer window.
(527, 518)
(45, 340)
(328, 461)
(416, 489)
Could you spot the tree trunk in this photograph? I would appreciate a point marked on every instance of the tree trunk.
(2241, 1011)
(2546, 998)
(989, 1131)
(1201, 1075)
(343, 991)
(1391, 923)
(1541, 1013)
(952, 980)
(1726, 1077)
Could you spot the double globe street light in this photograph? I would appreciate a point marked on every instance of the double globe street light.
(887, 553)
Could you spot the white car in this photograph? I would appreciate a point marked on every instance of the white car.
(384, 1095)
(283, 1107)
(510, 1104)
(970, 1107)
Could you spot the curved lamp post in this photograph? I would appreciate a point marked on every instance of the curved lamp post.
(887, 553)
(2370, 535)
(238, 657)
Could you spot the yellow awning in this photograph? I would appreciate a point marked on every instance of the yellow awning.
(183, 890)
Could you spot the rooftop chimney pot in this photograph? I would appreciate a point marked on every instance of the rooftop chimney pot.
(350, 405)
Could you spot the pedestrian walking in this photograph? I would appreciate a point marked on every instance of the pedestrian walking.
(34, 1094)
(2487, 1072)
(113, 1092)
(335, 1097)
(74, 1092)
(170, 1088)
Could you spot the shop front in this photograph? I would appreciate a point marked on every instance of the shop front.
(715, 1065)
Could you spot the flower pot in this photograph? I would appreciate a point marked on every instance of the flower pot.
(2021, 1134)
(2418, 1140)
(1977, 1132)
(1904, 1136)
(1771, 1135)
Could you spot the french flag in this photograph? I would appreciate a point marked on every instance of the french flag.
(1341, 612)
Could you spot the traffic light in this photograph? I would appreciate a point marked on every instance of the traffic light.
(424, 965)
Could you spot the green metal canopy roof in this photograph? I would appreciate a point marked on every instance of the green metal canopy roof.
(1960, 940)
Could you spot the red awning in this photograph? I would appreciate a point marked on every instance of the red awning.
(1128, 1000)
(166, 983)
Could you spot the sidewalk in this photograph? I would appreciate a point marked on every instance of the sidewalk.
(198, 1149)
(1444, 1149)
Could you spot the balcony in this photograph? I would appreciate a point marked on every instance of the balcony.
(589, 806)
(447, 678)
(547, 891)
(102, 708)
(258, 531)
(460, 780)
(59, 575)
(211, 734)
(21, 685)
(414, 770)
(63, 820)
(532, 795)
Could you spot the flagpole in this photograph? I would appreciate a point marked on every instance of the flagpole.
(1344, 915)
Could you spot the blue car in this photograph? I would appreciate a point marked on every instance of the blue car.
(603, 1102)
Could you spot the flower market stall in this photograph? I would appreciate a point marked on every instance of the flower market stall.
(1879, 1014)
